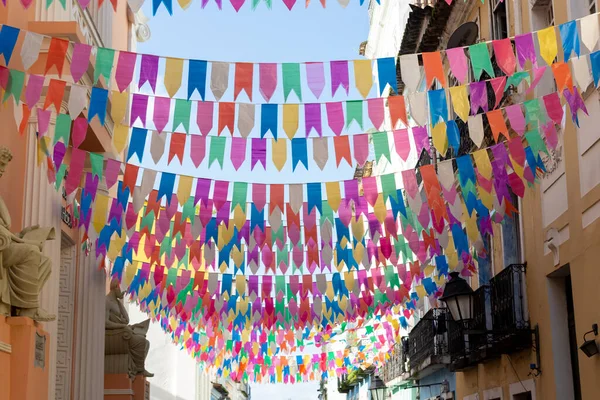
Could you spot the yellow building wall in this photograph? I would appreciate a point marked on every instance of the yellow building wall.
(580, 249)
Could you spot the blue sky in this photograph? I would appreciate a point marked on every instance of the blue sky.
(277, 35)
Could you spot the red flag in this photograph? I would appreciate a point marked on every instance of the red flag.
(57, 52)
(243, 79)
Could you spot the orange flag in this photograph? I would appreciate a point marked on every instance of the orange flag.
(497, 124)
(57, 52)
(562, 75)
(56, 91)
(177, 146)
(341, 144)
(226, 116)
(243, 79)
(397, 110)
(432, 62)
(277, 197)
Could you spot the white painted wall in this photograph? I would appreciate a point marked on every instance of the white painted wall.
(387, 27)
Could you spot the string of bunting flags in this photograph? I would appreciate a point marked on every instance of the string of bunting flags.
(242, 274)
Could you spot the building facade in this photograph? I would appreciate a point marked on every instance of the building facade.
(535, 293)
(76, 289)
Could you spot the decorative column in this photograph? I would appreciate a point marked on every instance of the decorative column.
(89, 353)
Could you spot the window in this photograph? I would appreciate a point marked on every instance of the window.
(550, 14)
(511, 236)
(592, 6)
(499, 20)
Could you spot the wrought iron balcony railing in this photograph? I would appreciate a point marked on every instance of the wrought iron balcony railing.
(428, 339)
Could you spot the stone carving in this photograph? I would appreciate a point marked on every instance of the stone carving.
(23, 268)
(126, 346)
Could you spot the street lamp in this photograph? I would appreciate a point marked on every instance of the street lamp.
(589, 347)
(458, 297)
(377, 388)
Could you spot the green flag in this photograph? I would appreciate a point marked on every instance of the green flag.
(97, 161)
(533, 112)
(381, 145)
(291, 80)
(62, 128)
(480, 60)
(182, 114)
(388, 186)
(536, 143)
(354, 112)
(104, 63)
(60, 175)
(15, 85)
(516, 78)
(239, 197)
(217, 150)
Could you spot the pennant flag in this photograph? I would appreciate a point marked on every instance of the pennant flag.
(181, 116)
(291, 80)
(548, 46)
(525, 49)
(397, 108)
(590, 31)
(168, 6)
(30, 50)
(177, 147)
(335, 116)
(197, 149)
(460, 101)
(219, 79)
(320, 151)
(267, 76)
(8, 40)
(312, 118)
(125, 68)
(453, 135)
(165, 188)
(104, 63)
(438, 108)
(98, 102)
(279, 153)
(505, 56)
(411, 71)
(341, 145)
(299, 153)
(137, 143)
(162, 111)
(478, 96)
(361, 148)
(315, 78)
(562, 76)
(570, 39)
(381, 146)
(197, 78)
(57, 53)
(246, 114)
(238, 152)
(386, 70)
(363, 76)
(458, 63)
(339, 76)
(498, 85)
(55, 93)
(354, 110)
(226, 117)
(259, 153)
(149, 69)
(217, 150)
(516, 118)
(497, 124)
(173, 75)
(80, 126)
(243, 79)
(139, 106)
(290, 119)
(480, 60)
(204, 116)
(432, 62)
(268, 120)
(402, 143)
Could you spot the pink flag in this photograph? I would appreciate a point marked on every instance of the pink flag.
(312, 118)
(498, 85)
(238, 152)
(335, 116)
(458, 63)
(402, 143)
(259, 195)
(421, 139)
(204, 118)
(124, 71)
(111, 172)
(553, 107)
(80, 126)
(315, 77)
(361, 148)
(33, 91)
(267, 79)
(75, 170)
(162, 110)
(376, 111)
(197, 149)
(80, 60)
(370, 189)
(289, 3)
(148, 71)
(538, 74)
(43, 117)
(516, 118)
(339, 76)
(505, 56)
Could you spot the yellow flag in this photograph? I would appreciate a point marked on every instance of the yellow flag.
(130, 272)
(358, 228)
(428, 270)
(184, 189)
(379, 209)
(472, 229)
(358, 252)
(440, 139)
(482, 161)
(363, 76)
(334, 198)
(174, 70)
(118, 106)
(239, 217)
(517, 168)
(290, 119)
(100, 211)
(421, 291)
(240, 284)
(279, 148)
(237, 255)
(460, 101)
(548, 46)
(120, 137)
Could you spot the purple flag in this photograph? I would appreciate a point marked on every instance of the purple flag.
(315, 77)
(421, 139)
(339, 76)
(312, 118)
(335, 117)
(238, 152)
(267, 79)
(525, 49)
(202, 191)
(259, 152)
(148, 71)
(478, 97)
(139, 106)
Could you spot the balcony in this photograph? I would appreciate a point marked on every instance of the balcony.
(500, 325)
(396, 368)
(347, 382)
(428, 343)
